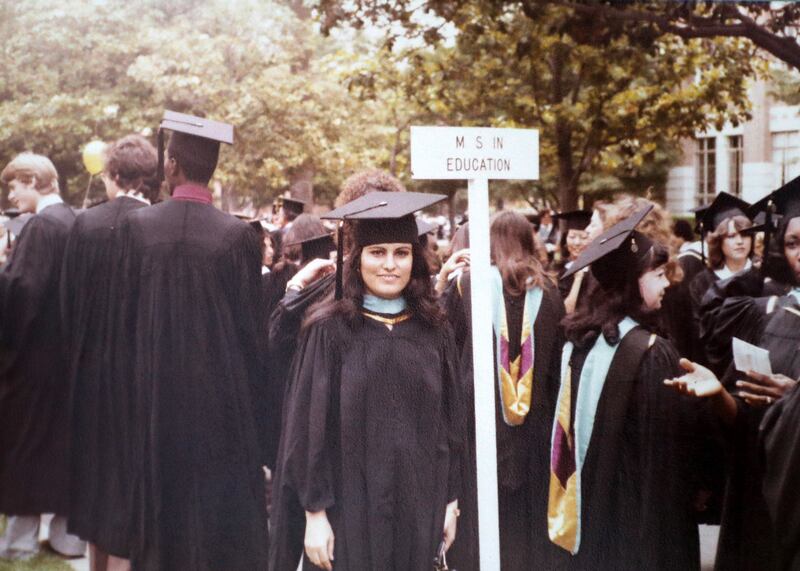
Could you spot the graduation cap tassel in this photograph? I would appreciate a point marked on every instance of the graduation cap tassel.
(160, 172)
(339, 259)
(767, 237)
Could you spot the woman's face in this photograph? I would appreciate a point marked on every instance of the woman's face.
(652, 285)
(386, 269)
(595, 227)
(791, 246)
(269, 251)
(735, 247)
(576, 242)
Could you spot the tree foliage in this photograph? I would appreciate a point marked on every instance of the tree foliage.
(610, 106)
(72, 71)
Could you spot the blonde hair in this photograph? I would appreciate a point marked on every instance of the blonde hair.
(27, 167)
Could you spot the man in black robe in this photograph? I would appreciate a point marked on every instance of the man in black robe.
(99, 469)
(33, 389)
(190, 283)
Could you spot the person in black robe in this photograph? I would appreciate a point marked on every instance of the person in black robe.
(99, 508)
(373, 420)
(738, 307)
(621, 493)
(190, 289)
(573, 240)
(723, 225)
(34, 437)
(521, 446)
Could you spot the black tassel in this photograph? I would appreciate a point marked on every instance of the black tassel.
(160, 172)
(339, 260)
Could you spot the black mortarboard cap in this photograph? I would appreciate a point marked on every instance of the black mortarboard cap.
(198, 136)
(723, 206)
(424, 227)
(380, 217)
(315, 247)
(575, 219)
(786, 200)
(289, 204)
(613, 254)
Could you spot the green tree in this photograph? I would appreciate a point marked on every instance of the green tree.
(607, 104)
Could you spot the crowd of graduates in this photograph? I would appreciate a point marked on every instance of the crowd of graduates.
(186, 390)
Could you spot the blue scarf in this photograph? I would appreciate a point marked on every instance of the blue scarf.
(377, 304)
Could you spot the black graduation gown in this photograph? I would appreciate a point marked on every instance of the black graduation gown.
(522, 450)
(99, 406)
(373, 435)
(637, 490)
(191, 281)
(748, 539)
(677, 313)
(780, 434)
(34, 471)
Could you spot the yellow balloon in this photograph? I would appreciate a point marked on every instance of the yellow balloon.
(93, 157)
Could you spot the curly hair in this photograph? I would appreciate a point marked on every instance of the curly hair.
(367, 181)
(605, 308)
(131, 162)
(657, 226)
(418, 293)
(716, 259)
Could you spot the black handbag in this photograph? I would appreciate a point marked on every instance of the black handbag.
(440, 561)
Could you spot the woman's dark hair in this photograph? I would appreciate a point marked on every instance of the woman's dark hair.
(513, 251)
(716, 259)
(605, 308)
(418, 293)
(775, 265)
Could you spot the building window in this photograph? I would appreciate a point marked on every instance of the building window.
(786, 156)
(706, 170)
(735, 156)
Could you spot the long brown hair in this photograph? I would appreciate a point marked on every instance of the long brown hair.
(716, 259)
(513, 251)
(418, 293)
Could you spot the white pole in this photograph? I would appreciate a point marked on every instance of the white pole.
(483, 366)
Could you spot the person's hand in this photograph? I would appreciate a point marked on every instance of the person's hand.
(312, 271)
(698, 381)
(450, 523)
(319, 540)
(763, 390)
(457, 260)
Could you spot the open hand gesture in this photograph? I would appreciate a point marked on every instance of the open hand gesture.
(698, 381)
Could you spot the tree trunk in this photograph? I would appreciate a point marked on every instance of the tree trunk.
(301, 185)
(567, 187)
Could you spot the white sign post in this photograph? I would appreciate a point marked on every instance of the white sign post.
(479, 154)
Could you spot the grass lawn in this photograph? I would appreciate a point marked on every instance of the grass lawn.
(42, 562)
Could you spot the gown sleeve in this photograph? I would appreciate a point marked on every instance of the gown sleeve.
(27, 279)
(309, 438)
(780, 444)
(452, 301)
(455, 412)
(731, 308)
(669, 459)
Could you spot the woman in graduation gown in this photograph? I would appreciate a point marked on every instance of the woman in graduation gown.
(572, 242)
(373, 421)
(621, 460)
(737, 307)
(526, 306)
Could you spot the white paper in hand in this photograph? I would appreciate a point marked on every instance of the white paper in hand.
(748, 357)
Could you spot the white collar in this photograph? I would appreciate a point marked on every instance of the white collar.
(725, 272)
(689, 247)
(136, 195)
(48, 200)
